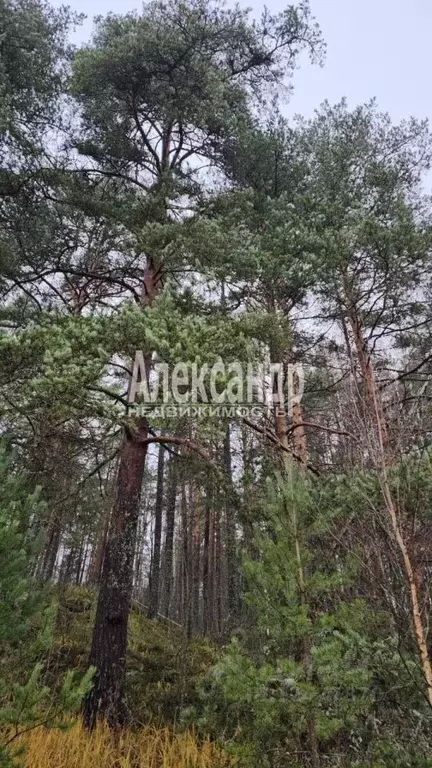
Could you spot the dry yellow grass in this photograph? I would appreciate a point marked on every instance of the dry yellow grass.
(146, 748)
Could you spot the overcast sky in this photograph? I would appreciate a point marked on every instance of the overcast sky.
(378, 48)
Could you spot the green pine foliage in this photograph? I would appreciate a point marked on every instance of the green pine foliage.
(262, 697)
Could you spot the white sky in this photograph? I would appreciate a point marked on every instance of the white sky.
(375, 48)
(378, 48)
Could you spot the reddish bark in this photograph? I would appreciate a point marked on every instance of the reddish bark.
(109, 644)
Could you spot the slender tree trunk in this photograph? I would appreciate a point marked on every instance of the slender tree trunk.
(196, 556)
(246, 503)
(374, 406)
(155, 563)
(230, 535)
(169, 537)
(217, 577)
(207, 565)
(51, 546)
(298, 430)
(95, 567)
(141, 571)
(178, 580)
(187, 564)
(189, 552)
(410, 573)
(412, 583)
(98, 549)
(365, 360)
(82, 569)
(67, 566)
(375, 410)
(78, 562)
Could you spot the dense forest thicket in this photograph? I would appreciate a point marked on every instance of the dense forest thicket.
(200, 581)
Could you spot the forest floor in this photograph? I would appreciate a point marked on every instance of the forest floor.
(164, 669)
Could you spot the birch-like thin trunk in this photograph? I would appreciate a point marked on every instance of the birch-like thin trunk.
(374, 405)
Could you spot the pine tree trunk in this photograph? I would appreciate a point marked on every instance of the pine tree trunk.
(107, 699)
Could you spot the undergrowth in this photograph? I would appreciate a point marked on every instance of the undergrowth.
(148, 747)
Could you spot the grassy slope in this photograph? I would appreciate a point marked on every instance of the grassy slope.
(164, 668)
